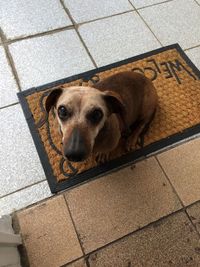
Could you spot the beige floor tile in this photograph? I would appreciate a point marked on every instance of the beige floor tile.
(182, 165)
(194, 213)
(171, 242)
(110, 207)
(48, 234)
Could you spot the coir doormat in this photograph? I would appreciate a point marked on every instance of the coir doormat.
(178, 115)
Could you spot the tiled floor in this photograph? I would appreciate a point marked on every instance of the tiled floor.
(42, 41)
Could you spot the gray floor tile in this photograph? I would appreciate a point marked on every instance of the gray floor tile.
(24, 198)
(19, 162)
(117, 38)
(172, 22)
(194, 55)
(48, 58)
(20, 18)
(8, 88)
(143, 3)
(93, 9)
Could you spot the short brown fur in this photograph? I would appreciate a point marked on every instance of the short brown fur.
(127, 99)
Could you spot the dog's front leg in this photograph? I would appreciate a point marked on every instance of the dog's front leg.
(132, 140)
(102, 157)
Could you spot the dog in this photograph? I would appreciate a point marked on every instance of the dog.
(94, 119)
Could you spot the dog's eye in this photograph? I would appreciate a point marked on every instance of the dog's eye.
(63, 113)
(95, 116)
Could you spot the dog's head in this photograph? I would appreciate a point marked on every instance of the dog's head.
(82, 113)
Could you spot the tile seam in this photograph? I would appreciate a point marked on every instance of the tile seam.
(10, 59)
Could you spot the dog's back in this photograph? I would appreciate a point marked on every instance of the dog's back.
(132, 87)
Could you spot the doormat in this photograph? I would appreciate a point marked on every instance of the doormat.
(176, 80)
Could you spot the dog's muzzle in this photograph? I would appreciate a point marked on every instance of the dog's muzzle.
(75, 149)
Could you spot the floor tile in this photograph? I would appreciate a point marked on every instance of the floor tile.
(19, 18)
(172, 22)
(117, 204)
(181, 165)
(194, 213)
(118, 37)
(171, 242)
(48, 58)
(24, 198)
(194, 55)
(82, 11)
(143, 3)
(19, 162)
(8, 86)
(48, 234)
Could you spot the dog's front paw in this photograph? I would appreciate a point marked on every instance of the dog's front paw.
(102, 157)
(131, 143)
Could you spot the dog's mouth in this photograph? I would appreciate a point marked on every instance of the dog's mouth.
(76, 158)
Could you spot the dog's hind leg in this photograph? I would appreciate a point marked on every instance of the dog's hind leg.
(140, 141)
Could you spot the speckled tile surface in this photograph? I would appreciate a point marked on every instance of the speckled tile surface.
(119, 203)
(19, 161)
(171, 242)
(172, 22)
(8, 85)
(48, 58)
(54, 242)
(24, 198)
(194, 55)
(87, 10)
(194, 213)
(19, 18)
(182, 167)
(118, 37)
(144, 3)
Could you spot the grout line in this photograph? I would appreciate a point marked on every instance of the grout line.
(21, 189)
(146, 23)
(192, 47)
(186, 212)
(106, 17)
(11, 41)
(10, 105)
(197, 2)
(76, 29)
(78, 236)
(10, 59)
(156, 4)
(174, 190)
(73, 261)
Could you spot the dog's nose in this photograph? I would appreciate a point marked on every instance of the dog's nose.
(75, 149)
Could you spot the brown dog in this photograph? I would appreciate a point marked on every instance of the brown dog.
(93, 119)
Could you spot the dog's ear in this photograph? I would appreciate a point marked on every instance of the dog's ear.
(52, 98)
(114, 102)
